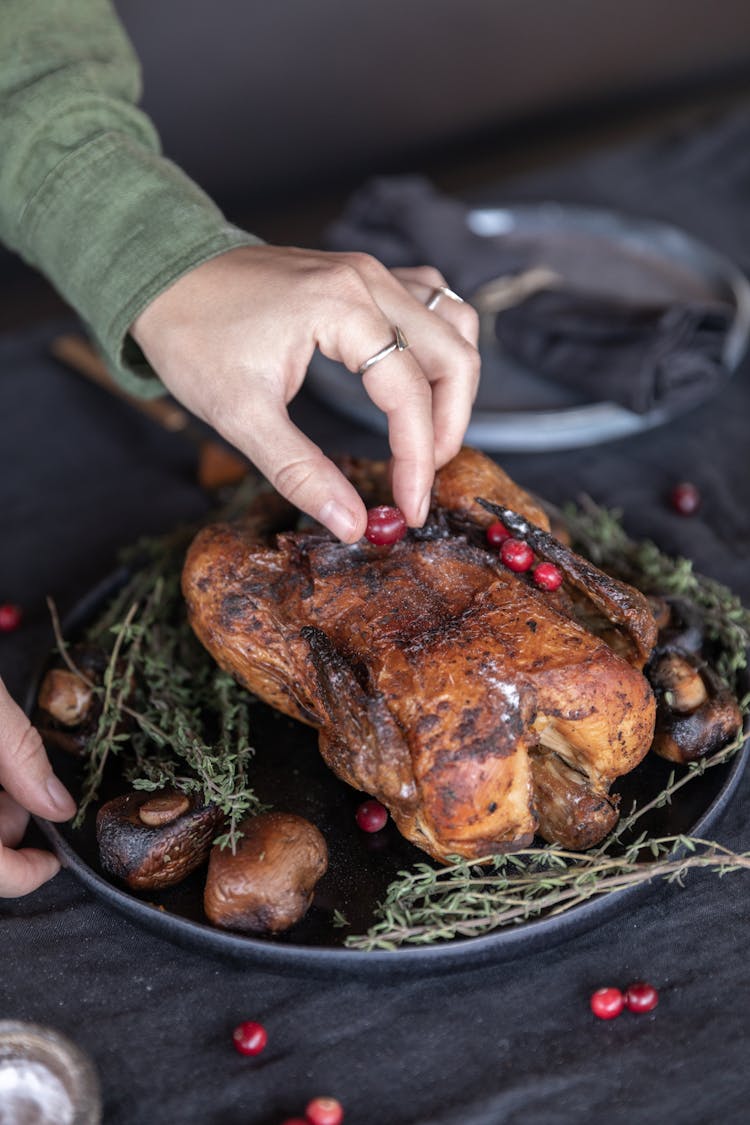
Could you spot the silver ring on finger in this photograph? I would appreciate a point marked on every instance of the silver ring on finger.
(399, 343)
(439, 292)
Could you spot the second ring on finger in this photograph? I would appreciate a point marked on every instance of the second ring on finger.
(437, 294)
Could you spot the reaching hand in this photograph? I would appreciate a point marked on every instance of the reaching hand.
(233, 338)
(28, 786)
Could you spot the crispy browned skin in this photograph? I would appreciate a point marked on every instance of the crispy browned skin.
(472, 704)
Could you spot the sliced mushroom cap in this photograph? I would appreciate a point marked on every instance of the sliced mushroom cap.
(268, 884)
(148, 856)
(65, 696)
(696, 713)
(679, 681)
(68, 706)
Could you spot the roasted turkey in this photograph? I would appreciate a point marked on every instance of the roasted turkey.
(478, 708)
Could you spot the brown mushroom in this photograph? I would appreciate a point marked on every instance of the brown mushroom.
(696, 713)
(267, 885)
(155, 840)
(679, 681)
(65, 696)
(68, 707)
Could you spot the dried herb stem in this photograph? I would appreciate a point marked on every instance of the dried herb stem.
(599, 534)
(454, 902)
(168, 713)
(62, 646)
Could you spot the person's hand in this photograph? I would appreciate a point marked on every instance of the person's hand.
(233, 338)
(27, 785)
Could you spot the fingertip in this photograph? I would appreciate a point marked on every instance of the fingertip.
(412, 492)
(24, 871)
(345, 524)
(63, 805)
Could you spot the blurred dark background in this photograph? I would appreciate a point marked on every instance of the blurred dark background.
(281, 109)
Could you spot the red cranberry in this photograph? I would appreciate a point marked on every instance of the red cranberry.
(516, 555)
(324, 1111)
(641, 997)
(606, 1003)
(385, 525)
(547, 576)
(685, 498)
(250, 1038)
(10, 617)
(497, 533)
(371, 816)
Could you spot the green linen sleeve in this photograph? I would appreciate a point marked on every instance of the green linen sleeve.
(85, 194)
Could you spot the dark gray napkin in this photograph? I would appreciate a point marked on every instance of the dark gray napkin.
(638, 355)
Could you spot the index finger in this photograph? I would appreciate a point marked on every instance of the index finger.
(354, 331)
(398, 386)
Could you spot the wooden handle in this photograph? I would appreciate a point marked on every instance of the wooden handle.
(76, 352)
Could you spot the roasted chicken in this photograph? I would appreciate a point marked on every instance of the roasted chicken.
(478, 708)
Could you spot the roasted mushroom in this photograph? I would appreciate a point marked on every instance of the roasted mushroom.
(696, 713)
(153, 840)
(68, 706)
(66, 697)
(268, 884)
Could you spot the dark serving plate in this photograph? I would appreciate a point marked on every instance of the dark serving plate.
(289, 773)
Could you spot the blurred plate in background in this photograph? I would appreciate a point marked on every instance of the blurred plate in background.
(600, 252)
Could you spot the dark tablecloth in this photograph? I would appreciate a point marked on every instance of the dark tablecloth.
(506, 1043)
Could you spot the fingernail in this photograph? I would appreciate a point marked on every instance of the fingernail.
(424, 507)
(60, 797)
(338, 519)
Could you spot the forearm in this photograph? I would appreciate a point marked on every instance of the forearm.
(85, 194)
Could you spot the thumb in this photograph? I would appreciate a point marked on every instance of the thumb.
(23, 871)
(25, 771)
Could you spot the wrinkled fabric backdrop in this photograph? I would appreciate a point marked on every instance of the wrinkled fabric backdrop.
(506, 1043)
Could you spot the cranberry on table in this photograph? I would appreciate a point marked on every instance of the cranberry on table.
(547, 576)
(371, 816)
(685, 498)
(324, 1111)
(250, 1038)
(606, 1003)
(10, 617)
(517, 555)
(385, 525)
(641, 997)
(497, 533)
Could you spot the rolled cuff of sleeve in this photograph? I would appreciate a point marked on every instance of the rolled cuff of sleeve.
(115, 225)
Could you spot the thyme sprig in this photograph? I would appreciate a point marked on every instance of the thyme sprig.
(466, 899)
(598, 533)
(169, 714)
